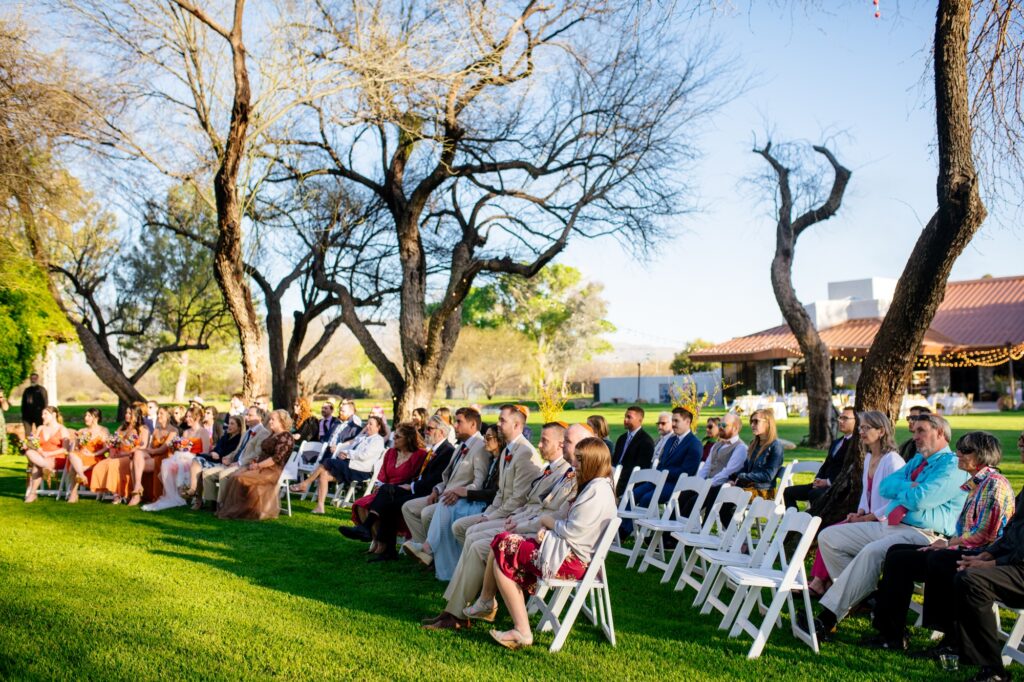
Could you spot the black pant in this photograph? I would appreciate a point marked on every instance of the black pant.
(905, 565)
(974, 591)
(806, 493)
(387, 504)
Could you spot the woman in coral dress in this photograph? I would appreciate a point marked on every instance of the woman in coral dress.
(46, 450)
(145, 459)
(91, 445)
(113, 474)
(252, 492)
(174, 470)
(401, 465)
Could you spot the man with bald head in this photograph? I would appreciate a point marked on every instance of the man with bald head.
(547, 491)
(664, 426)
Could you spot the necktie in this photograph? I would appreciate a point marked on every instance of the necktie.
(629, 439)
(667, 450)
(899, 511)
(426, 460)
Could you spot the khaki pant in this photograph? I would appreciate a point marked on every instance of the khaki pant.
(417, 515)
(854, 553)
(468, 579)
(211, 479)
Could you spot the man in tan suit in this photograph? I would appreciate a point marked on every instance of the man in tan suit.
(466, 470)
(548, 490)
(247, 451)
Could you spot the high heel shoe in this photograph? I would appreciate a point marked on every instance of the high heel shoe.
(136, 498)
(511, 639)
(81, 480)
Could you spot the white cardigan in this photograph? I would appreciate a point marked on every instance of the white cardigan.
(890, 462)
(364, 452)
(581, 531)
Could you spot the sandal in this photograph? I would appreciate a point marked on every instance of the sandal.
(73, 497)
(187, 493)
(31, 498)
(136, 498)
(511, 639)
(116, 499)
(81, 480)
(197, 503)
(296, 488)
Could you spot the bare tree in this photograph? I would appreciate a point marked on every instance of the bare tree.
(788, 228)
(492, 133)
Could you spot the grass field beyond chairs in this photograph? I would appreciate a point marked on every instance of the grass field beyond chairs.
(92, 591)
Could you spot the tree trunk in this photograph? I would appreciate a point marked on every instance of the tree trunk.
(419, 392)
(921, 287)
(182, 382)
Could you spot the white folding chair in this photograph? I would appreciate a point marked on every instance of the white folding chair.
(345, 495)
(289, 473)
(672, 519)
(779, 572)
(589, 594)
(628, 508)
(616, 472)
(792, 469)
(712, 535)
(304, 468)
(1011, 650)
(751, 540)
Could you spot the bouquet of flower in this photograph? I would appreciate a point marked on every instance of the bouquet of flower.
(115, 441)
(180, 444)
(30, 443)
(130, 442)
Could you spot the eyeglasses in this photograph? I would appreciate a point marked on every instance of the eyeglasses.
(755, 421)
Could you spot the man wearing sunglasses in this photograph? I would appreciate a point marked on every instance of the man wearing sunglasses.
(830, 468)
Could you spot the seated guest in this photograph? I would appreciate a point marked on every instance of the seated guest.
(986, 512)
(145, 459)
(174, 470)
(237, 405)
(351, 463)
(830, 468)
(664, 426)
(466, 470)
(926, 501)
(599, 425)
(90, 447)
(681, 455)
(711, 431)
(328, 422)
(305, 427)
(152, 411)
(996, 574)
(445, 413)
(441, 548)
(517, 472)
(727, 457)
(212, 424)
(349, 422)
(253, 492)
(178, 417)
(249, 448)
(909, 448)
(561, 549)
(419, 420)
(387, 502)
(633, 449)
(49, 454)
(878, 450)
(114, 474)
(764, 457)
(401, 464)
(227, 444)
(557, 504)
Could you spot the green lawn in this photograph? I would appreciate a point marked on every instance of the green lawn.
(100, 592)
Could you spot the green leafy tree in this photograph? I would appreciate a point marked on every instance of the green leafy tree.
(682, 364)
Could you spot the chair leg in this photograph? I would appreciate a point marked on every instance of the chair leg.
(567, 622)
(761, 638)
(652, 550)
(673, 563)
(638, 533)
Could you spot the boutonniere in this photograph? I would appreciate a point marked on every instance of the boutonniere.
(508, 458)
(570, 474)
(547, 472)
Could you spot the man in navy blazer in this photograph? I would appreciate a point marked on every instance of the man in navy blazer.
(681, 455)
(634, 449)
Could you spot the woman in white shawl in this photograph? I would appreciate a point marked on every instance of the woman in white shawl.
(562, 549)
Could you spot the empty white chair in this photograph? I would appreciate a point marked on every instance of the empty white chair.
(781, 574)
(672, 519)
(313, 450)
(628, 508)
(713, 534)
(749, 544)
(589, 594)
(289, 474)
(793, 468)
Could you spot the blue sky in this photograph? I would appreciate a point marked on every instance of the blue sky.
(812, 72)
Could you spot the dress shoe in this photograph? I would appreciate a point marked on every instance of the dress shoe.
(415, 550)
(383, 556)
(356, 533)
(990, 674)
(434, 619)
(823, 629)
(481, 611)
(886, 643)
(448, 622)
(932, 653)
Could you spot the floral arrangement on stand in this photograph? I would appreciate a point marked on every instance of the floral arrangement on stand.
(550, 402)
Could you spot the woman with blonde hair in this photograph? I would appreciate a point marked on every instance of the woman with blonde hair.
(881, 457)
(562, 549)
(764, 457)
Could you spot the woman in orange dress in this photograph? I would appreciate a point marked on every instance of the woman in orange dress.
(113, 474)
(49, 454)
(252, 493)
(91, 446)
(146, 459)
